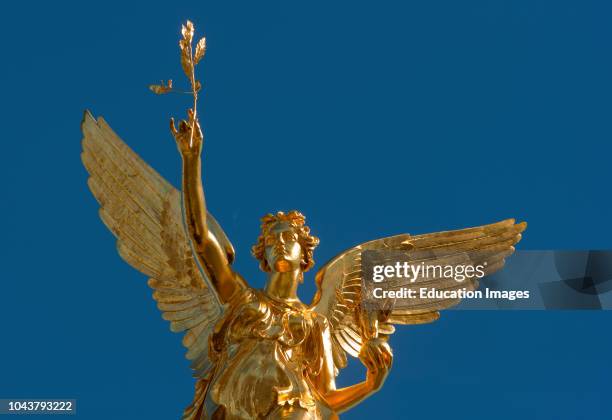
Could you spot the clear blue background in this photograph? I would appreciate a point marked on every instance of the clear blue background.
(372, 118)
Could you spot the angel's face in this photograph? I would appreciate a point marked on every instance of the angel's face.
(283, 252)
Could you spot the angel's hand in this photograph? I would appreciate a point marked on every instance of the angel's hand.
(189, 137)
(376, 355)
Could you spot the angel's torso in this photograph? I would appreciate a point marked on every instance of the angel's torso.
(264, 351)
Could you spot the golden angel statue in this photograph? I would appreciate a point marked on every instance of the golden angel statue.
(256, 353)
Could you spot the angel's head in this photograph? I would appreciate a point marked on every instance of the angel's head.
(285, 243)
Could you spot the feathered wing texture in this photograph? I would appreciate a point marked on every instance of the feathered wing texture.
(339, 281)
(144, 212)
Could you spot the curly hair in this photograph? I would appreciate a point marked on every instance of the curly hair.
(307, 241)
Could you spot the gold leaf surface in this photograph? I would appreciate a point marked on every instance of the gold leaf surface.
(162, 88)
(200, 50)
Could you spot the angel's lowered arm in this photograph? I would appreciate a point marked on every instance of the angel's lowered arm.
(211, 255)
(375, 354)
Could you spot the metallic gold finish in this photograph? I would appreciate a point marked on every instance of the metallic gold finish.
(255, 353)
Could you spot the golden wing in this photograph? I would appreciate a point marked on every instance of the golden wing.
(338, 295)
(144, 212)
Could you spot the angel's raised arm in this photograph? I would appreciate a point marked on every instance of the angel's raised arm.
(213, 250)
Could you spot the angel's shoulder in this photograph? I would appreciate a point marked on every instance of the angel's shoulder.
(243, 298)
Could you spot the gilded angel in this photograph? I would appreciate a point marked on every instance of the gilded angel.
(258, 353)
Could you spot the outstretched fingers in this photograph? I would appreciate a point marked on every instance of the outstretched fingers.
(173, 129)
